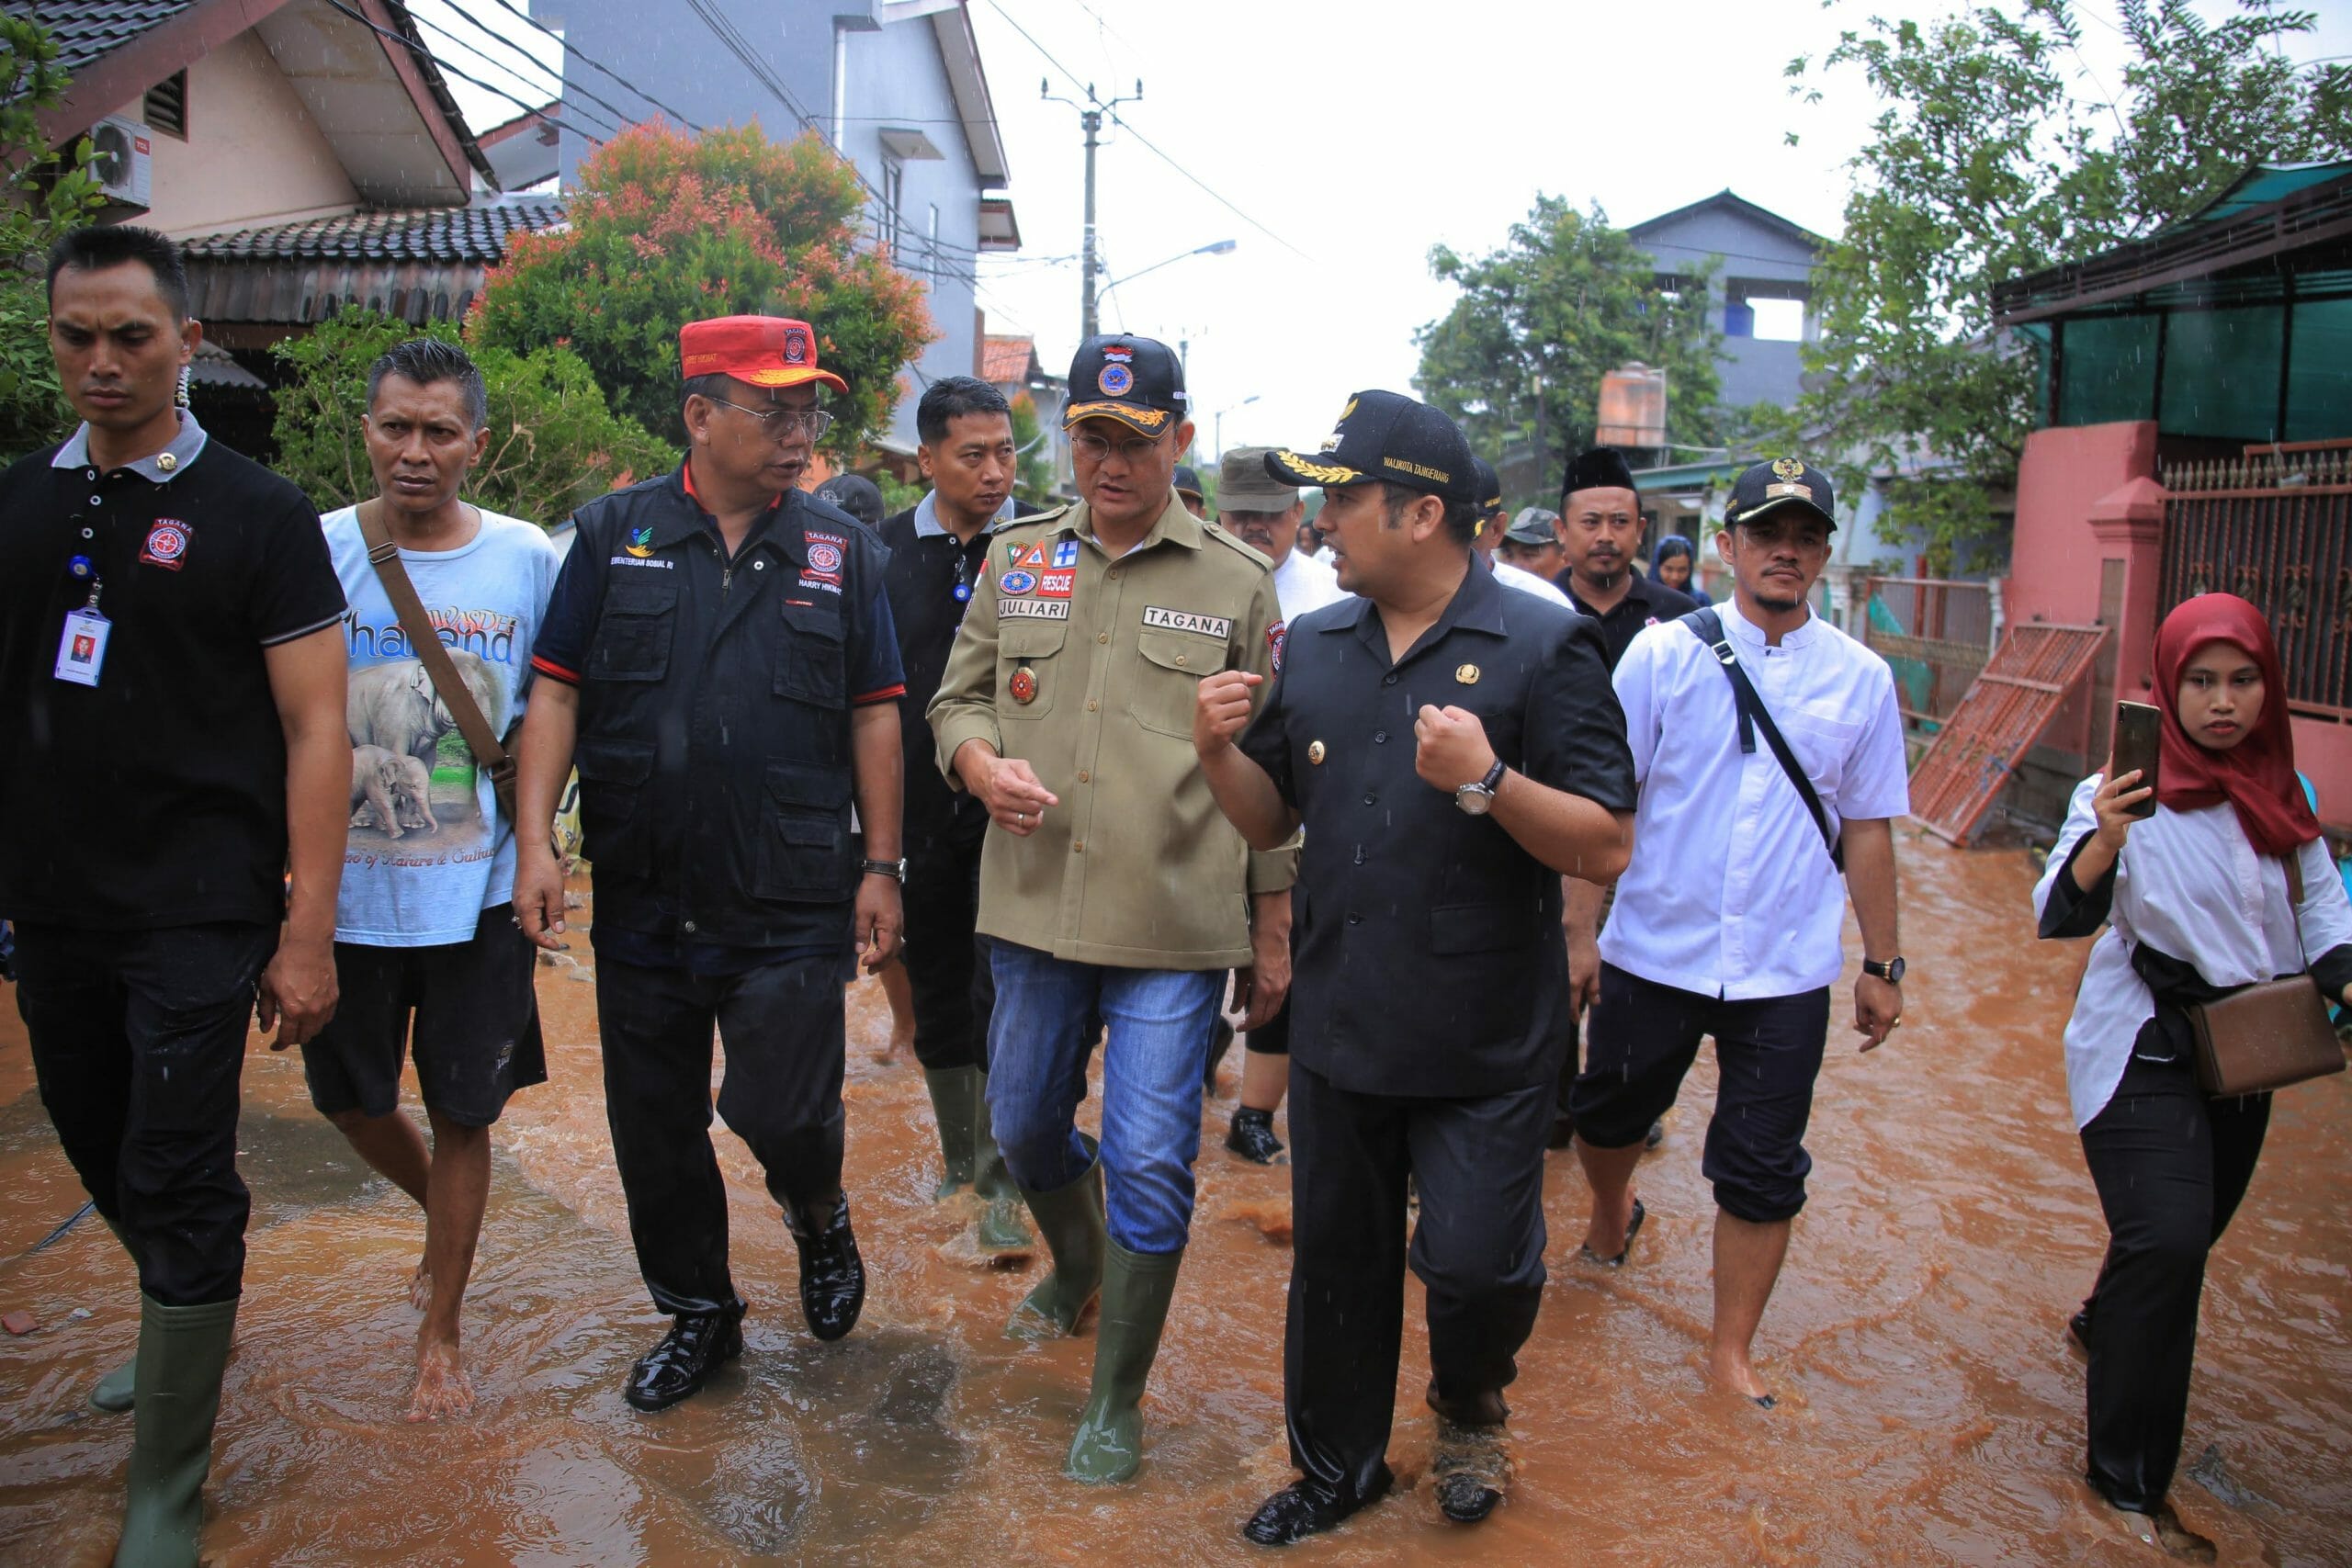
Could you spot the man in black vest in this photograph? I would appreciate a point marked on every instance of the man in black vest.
(1451, 747)
(722, 668)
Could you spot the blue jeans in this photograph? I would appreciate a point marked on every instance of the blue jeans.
(1157, 1024)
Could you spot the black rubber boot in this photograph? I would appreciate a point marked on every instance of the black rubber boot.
(182, 1353)
(1136, 1289)
(1308, 1506)
(1251, 1136)
(955, 1105)
(689, 1355)
(832, 1276)
(1003, 1236)
(1070, 1218)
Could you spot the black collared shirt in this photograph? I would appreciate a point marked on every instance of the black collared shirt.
(715, 699)
(1429, 959)
(922, 576)
(1646, 603)
(157, 797)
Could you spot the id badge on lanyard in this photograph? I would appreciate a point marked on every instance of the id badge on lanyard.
(82, 647)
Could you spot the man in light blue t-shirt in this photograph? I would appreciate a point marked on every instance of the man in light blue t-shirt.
(426, 923)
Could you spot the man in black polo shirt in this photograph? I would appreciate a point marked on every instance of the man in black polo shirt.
(937, 550)
(722, 669)
(1600, 529)
(1451, 747)
(171, 741)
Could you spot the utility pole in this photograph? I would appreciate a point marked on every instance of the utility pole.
(1089, 118)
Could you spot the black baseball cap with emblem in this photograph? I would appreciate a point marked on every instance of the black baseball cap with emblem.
(1137, 380)
(1783, 484)
(1490, 486)
(1386, 438)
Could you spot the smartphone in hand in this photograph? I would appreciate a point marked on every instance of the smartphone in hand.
(2137, 728)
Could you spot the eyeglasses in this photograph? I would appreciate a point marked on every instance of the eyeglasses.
(1094, 448)
(782, 422)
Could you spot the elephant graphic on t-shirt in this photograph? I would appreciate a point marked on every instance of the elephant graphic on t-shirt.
(393, 705)
(396, 787)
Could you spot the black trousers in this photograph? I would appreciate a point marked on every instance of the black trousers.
(139, 1043)
(2171, 1167)
(783, 1026)
(1478, 1250)
(947, 966)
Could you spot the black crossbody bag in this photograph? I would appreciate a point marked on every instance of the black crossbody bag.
(1708, 627)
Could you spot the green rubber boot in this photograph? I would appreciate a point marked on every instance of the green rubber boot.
(182, 1353)
(954, 1103)
(1003, 1236)
(1071, 1219)
(119, 1390)
(1136, 1291)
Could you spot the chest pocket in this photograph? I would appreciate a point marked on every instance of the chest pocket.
(811, 659)
(1822, 736)
(634, 635)
(1034, 645)
(1168, 678)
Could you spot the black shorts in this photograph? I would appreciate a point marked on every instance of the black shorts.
(1272, 1037)
(477, 1029)
(1642, 1038)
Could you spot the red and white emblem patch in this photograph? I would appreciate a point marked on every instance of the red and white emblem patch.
(823, 556)
(167, 542)
(1275, 637)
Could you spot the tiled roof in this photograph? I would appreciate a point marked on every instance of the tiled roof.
(1006, 358)
(438, 234)
(88, 29)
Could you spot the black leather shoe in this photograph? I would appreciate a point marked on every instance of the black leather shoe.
(1465, 1499)
(1471, 1469)
(832, 1276)
(697, 1345)
(1306, 1507)
(1253, 1137)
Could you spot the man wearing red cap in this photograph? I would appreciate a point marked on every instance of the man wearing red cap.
(722, 668)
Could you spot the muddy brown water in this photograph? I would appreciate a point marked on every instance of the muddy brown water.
(1930, 1412)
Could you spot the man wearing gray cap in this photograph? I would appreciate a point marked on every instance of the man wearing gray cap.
(1531, 543)
(1266, 514)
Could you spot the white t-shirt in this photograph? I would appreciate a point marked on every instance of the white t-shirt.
(1304, 583)
(423, 879)
(1526, 581)
(1731, 893)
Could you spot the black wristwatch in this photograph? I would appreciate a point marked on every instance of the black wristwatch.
(1891, 971)
(1478, 798)
(894, 869)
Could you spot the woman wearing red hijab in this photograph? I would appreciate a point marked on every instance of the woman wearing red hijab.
(2194, 899)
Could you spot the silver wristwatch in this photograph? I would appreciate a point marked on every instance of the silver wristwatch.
(1478, 798)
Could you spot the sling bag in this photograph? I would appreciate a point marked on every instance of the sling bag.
(385, 557)
(1708, 627)
(2269, 1034)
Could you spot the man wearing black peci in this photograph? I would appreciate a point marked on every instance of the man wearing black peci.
(1451, 747)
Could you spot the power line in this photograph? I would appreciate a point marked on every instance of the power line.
(509, 6)
(609, 126)
(417, 48)
(562, 87)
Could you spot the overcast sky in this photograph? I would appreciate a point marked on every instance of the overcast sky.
(1343, 140)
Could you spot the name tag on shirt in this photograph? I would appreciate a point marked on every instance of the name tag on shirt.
(82, 650)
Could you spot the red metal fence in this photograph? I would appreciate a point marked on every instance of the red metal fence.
(1936, 635)
(2274, 527)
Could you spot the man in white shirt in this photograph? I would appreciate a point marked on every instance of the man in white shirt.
(1265, 513)
(1727, 922)
(1492, 520)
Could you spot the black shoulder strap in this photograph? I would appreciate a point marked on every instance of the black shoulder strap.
(1708, 627)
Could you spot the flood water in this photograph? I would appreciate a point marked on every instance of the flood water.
(1930, 1412)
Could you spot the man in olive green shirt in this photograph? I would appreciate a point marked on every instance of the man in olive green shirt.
(1111, 885)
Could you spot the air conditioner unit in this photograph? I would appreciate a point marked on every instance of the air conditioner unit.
(124, 155)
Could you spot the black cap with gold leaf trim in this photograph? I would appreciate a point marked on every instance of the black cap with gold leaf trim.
(1782, 483)
(1386, 438)
(1137, 380)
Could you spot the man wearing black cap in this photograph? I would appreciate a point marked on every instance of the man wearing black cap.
(1451, 749)
(1189, 491)
(1490, 534)
(1772, 743)
(1110, 888)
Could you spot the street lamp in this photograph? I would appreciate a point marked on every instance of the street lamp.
(1213, 248)
(1217, 424)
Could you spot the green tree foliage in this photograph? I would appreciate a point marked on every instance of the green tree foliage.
(553, 443)
(1998, 153)
(1033, 480)
(666, 228)
(44, 196)
(1566, 299)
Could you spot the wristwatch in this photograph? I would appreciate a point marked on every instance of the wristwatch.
(1478, 798)
(1891, 971)
(894, 869)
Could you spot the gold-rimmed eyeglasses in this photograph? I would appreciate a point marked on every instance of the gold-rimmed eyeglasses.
(782, 422)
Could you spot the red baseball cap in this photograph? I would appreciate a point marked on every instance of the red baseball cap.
(764, 351)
